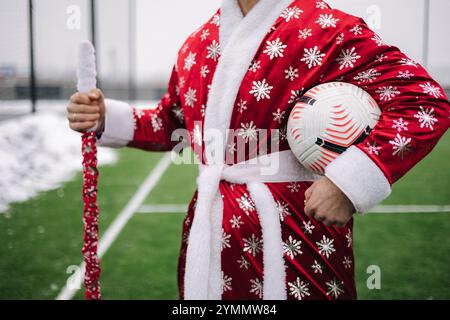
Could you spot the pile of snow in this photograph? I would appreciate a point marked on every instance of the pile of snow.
(39, 152)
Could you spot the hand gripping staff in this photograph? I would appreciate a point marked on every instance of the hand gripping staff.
(86, 73)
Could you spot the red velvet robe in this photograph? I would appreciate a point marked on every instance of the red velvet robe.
(303, 44)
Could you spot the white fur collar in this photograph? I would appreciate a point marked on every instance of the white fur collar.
(240, 39)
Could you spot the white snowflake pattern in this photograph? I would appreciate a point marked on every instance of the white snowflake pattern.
(275, 49)
(335, 288)
(293, 187)
(349, 237)
(202, 110)
(432, 90)
(253, 245)
(139, 113)
(377, 39)
(281, 134)
(246, 203)
(204, 71)
(178, 113)
(236, 222)
(295, 96)
(400, 125)
(225, 240)
(305, 33)
(317, 267)
(347, 58)
(356, 30)
(255, 66)
(197, 135)
(190, 97)
(232, 148)
(261, 90)
(313, 57)
(157, 123)
(226, 283)
(400, 145)
(204, 35)
(243, 263)
(326, 246)
(387, 93)
(340, 38)
(213, 51)
(283, 210)
(216, 20)
(298, 289)
(367, 76)
(372, 148)
(291, 73)
(409, 62)
(279, 116)
(181, 82)
(248, 131)
(327, 21)
(308, 227)
(292, 247)
(256, 287)
(291, 13)
(426, 118)
(405, 74)
(380, 57)
(184, 48)
(347, 262)
(321, 5)
(189, 62)
(242, 106)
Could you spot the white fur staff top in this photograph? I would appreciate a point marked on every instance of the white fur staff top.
(86, 70)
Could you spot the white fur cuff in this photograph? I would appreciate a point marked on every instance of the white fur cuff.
(359, 178)
(119, 127)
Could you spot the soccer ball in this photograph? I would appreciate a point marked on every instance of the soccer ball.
(327, 120)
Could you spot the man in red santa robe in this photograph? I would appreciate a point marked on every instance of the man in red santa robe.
(286, 235)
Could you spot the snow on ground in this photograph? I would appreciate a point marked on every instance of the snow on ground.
(39, 152)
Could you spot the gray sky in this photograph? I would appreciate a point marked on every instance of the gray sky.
(162, 26)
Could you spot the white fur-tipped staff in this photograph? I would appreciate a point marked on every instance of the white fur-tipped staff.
(86, 73)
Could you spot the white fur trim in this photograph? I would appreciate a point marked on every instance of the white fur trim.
(119, 124)
(198, 253)
(240, 39)
(215, 270)
(274, 283)
(238, 51)
(230, 17)
(359, 178)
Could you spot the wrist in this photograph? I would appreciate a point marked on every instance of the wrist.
(101, 129)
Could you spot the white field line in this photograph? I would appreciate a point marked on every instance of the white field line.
(179, 208)
(163, 208)
(118, 224)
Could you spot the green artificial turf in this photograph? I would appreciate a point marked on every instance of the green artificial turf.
(40, 238)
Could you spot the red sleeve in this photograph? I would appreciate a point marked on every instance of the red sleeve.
(415, 113)
(415, 110)
(153, 127)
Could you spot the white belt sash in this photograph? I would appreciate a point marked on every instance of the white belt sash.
(203, 275)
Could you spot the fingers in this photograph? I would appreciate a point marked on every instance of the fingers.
(82, 108)
(80, 98)
(83, 117)
(308, 193)
(87, 99)
(95, 94)
(82, 126)
(309, 211)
